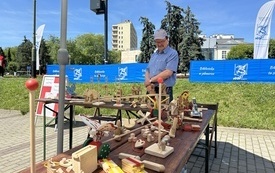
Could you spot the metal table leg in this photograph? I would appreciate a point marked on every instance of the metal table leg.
(206, 149)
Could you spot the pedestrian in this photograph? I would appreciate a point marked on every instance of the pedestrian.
(163, 64)
(2, 65)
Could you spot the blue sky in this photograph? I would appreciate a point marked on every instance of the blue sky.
(216, 17)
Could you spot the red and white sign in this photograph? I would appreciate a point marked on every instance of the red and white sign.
(49, 89)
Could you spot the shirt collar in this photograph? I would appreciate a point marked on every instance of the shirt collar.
(163, 51)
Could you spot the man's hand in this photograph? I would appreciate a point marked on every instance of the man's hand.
(147, 83)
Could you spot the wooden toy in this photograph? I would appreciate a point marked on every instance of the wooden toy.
(32, 84)
(132, 165)
(109, 166)
(157, 149)
(173, 129)
(143, 117)
(147, 164)
(85, 159)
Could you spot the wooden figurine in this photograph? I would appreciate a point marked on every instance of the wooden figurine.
(173, 129)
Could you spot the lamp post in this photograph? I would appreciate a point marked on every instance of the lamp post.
(106, 32)
(63, 60)
(33, 73)
(101, 7)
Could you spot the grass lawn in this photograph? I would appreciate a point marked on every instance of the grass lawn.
(246, 105)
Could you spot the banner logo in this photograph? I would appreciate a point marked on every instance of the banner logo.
(78, 74)
(240, 71)
(122, 73)
(261, 32)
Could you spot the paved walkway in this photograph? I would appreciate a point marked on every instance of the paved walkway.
(239, 150)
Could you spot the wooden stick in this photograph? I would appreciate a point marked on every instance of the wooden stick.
(32, 129)
(118, 136)
(159, 113)
(192, 119)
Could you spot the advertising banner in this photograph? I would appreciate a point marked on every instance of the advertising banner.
(257, 70)
(127, 73)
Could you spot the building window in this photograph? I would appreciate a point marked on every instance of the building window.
(223, 54)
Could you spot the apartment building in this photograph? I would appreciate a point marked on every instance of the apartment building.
(124, 36)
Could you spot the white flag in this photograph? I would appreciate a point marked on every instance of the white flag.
(262, 30)
(39, 35)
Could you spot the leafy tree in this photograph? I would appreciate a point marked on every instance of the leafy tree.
(91, 49)
(12, 67)
(114, 57)
(24, 56)
(271, 51)
(54, 44)
(44, 57)
(11, 53)
(241, 51)
(147, 45)
(172, 21)
(190, 47)
(72, 50)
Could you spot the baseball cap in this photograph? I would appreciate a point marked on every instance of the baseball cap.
(160, 34)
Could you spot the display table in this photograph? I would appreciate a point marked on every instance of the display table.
(183, 144)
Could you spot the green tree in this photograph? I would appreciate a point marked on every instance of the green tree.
(11, 53)
(90, 48)
(44, 57)
(271, 50)
(24, 56)
(172, 21)
(190, 47)
(241, 51)
(147, 45)
(53, 43)
(72, 50)
(114, 57)
(12, 67)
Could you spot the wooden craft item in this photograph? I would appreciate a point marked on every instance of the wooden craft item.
(109, 166)
(147, 164)
(139, 143)
(143, 117)
(104, 151)
(156, 149)
(191, 119)
(172, 132)
(85, 159)
(132, 165)
(191, 127)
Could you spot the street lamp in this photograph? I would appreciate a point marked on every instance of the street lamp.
(33, 73)
(101, 7)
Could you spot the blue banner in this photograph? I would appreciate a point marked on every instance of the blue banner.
(125, 73)
(233, 71)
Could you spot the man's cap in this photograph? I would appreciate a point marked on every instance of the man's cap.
(160, 34)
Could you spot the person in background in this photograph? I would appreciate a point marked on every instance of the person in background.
(2, 65)
(163, 64)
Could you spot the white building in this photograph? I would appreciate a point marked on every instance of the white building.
(124, 36)
(217, 46)
(130, 56)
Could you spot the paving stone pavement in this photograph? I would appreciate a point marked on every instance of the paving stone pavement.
(239, 150)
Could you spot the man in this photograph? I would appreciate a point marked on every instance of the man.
(163, 64)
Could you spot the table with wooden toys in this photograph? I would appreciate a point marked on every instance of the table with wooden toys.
(157, 143)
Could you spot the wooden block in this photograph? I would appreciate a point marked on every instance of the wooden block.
(132, 165)
(109, 166)
(85, 159)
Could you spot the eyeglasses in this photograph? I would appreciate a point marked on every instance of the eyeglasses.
(160, 41)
